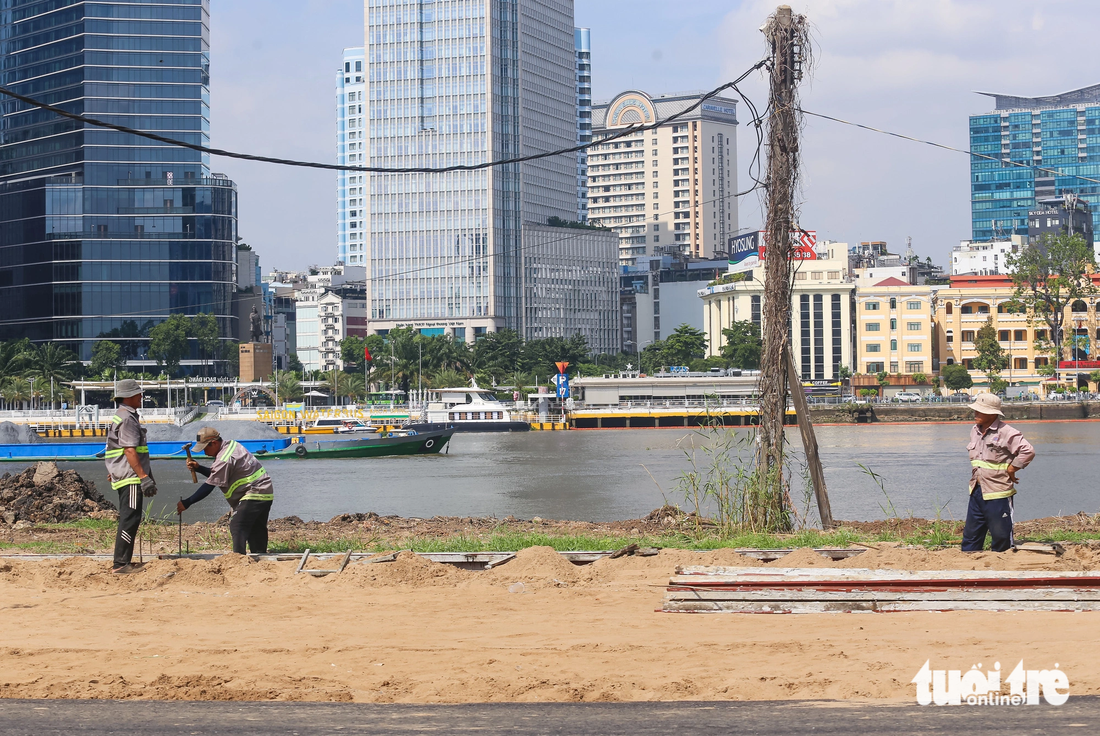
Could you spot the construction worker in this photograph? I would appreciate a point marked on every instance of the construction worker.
(245, 483)
(997, 453)
(128, 471)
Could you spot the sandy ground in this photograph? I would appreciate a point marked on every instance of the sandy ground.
(418, 632)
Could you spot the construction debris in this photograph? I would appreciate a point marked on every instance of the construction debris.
(43, 494)
(817, 590)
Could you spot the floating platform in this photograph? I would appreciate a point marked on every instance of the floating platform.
(650, 418)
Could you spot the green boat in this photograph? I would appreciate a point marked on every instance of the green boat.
(395, 443)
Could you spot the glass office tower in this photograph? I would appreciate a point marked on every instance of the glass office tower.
(453, 82)
(582, 38)
(104, 234)
(1058, 132)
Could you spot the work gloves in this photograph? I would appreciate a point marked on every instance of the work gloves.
(148, 486)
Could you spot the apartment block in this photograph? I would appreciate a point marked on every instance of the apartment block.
(894, 328)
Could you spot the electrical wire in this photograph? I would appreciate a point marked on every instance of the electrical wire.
(945, 147)
(373, 169)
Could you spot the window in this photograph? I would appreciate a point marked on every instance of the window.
(1021, 335)
(983, 309)
(969, 363)
(1079, 306)
(1019, 364)
(893, 366)
(914, 347)
(874, 347)
(872, 326)
(1040, 335)
(875, 367)
(968, 335)
(947, 308)
(913, 326)
(1002, 335)
(914, 366)
(1042, 361)
(800, 276)
(893, 345)
(950, 336)
(834, 275)
(893, 302)
(871, 306)
(893, 324)
(912, 305)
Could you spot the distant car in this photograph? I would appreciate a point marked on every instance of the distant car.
(215, 402)
(960, 398)
(907, 396)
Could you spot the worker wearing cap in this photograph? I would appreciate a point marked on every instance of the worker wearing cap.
(127, 459)
(997, 452)
(245, 483)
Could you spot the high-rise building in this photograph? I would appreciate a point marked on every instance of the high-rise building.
(350, 139)
(105, 234)
(657, 189)
(1058, 132)
(582, 41)
(465, 82)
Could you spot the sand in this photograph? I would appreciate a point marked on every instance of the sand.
(533, 629)
(230, 429)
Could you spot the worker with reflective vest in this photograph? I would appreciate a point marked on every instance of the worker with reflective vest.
(997, 451)
(128, 470)
(245, 483)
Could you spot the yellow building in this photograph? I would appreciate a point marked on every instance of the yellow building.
(821, 315)
(894, 328)
(971, 301)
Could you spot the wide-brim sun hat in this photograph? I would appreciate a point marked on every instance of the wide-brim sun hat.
(987, 404)
(126, 388)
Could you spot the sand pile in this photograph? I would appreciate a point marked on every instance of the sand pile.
(537, 567)
(228, 428)
(44, 494)
(17, 434)
(408, 570)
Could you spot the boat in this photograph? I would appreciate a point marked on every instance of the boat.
(467, 409)
(400, 442)
(407, 442)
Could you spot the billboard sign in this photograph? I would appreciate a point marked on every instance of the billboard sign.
(744, 252)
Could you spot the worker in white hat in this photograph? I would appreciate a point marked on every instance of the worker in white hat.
(128, 469)
(997, 451)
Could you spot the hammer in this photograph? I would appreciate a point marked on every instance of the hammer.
(187, 449)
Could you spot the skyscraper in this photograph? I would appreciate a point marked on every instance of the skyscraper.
(465, 82)
(1057, 132)
(350, 139)
(671, 188)
(582, 38)
(105, 234)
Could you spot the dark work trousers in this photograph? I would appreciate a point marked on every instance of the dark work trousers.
(249, 524)
(993, 516)
(129, 519)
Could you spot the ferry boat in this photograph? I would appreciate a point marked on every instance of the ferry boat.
(468, 409)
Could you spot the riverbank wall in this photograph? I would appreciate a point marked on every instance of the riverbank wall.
(885, 413)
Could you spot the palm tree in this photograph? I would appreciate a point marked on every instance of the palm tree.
(346, 385)
(448, 379)
(51, 360)
(13, 358)
(289, 387)
(13, 391)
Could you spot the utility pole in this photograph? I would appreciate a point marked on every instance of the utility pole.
(787, 34)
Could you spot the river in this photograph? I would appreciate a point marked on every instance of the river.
(603, 475)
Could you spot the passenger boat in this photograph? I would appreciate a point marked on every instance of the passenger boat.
(468, 409)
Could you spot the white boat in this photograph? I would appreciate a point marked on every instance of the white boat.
(470, 409)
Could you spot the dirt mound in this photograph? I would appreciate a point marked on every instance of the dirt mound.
(42, 494)
(229, 429)
(17, 434)
(538, 566)
(408, 569)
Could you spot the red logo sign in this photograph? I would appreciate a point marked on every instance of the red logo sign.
(803, 243)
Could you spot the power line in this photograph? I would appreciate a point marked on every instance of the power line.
(372, 169)
(945, 147)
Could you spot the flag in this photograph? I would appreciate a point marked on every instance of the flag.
(366, 354)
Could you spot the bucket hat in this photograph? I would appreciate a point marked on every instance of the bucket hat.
(987, 404)
(126, 388)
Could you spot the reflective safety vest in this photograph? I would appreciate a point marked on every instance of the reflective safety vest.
(125, 431)
(239, 475)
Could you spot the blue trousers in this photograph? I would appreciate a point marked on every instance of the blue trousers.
(993, 516)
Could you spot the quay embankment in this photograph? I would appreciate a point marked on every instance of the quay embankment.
(954, 412)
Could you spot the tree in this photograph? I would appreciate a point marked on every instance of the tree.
(685, 344)
(956, 377)
(204, 328)
(289, 387)
(498, 352)
(106, 358)
(991, 357)
(168, 342)
(843, 372)
(742, 345)
(1049, 276)
(351, 353)
(13, 358)
(449, 379)
(294, 365)
(51, 361)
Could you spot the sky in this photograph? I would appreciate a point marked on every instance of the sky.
(909, 66)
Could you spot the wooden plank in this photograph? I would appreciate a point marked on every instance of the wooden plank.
(302, 563)
(771, 555)
(872, 606)
(809, 441)
(837, 573)
(1065, 594)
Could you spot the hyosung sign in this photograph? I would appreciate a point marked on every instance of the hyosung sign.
(747, 251)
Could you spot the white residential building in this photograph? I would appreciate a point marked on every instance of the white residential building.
(350, 151)
(985, 259)
(669, 188)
